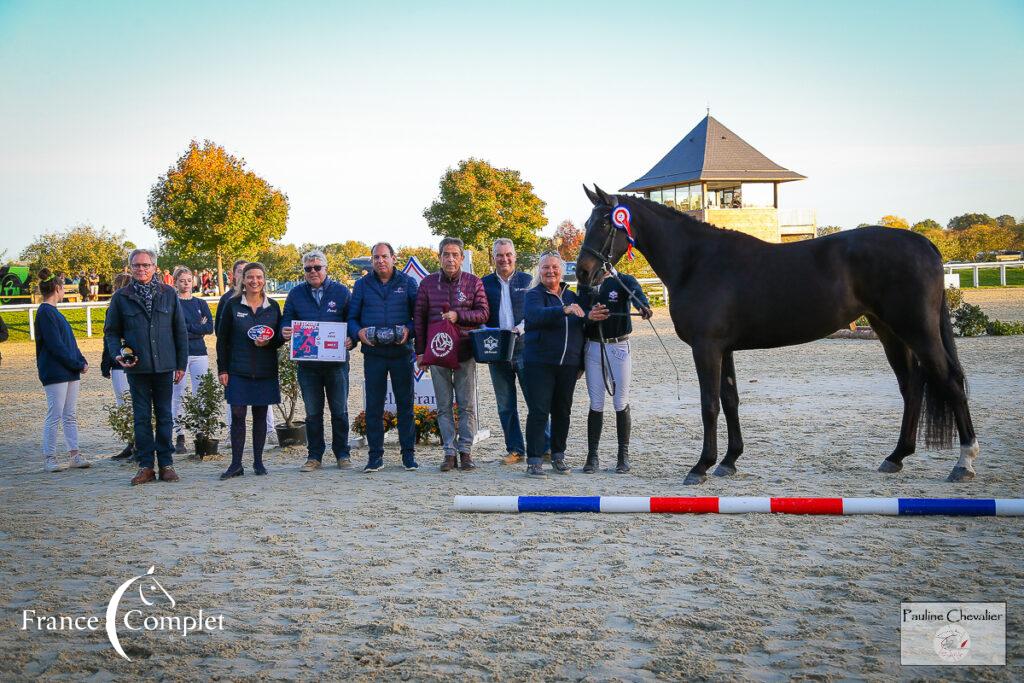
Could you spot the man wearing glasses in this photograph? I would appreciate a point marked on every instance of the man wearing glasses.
(322, 299)
(145, 333)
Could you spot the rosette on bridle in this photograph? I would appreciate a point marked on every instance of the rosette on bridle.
(620, 219)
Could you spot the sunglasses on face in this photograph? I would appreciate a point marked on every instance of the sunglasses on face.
(310, 269)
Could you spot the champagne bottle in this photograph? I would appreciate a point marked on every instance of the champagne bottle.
(128, 355)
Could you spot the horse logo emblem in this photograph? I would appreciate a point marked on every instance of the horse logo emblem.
(951, 643)
(491, 344)
(613, 296)
(461, 296)
(442, 344)
(150, 586)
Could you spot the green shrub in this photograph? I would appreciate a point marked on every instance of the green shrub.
(201, 411)
(998, 328)
(969, 320)
(954, 297)
(121, 419)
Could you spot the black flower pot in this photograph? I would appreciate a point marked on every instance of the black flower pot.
(291, 436)
(206, 446)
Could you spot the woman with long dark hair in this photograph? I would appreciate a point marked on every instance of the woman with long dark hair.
(247, 363)
(60, 365)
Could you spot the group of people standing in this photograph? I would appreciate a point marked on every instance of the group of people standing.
(154, 336)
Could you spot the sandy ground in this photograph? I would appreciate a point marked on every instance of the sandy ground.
(336, 574)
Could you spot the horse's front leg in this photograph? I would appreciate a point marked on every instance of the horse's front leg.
(709, 373)
(730, 406)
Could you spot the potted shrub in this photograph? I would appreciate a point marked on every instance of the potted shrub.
(121, 419)
(292, 432)
(201, 415)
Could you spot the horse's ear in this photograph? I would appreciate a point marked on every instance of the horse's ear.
(594, 199)
(604, 197)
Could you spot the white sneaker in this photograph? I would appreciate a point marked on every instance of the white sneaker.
(78, 460)
(51, 464)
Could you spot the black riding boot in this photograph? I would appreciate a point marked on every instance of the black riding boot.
(595, 421)
(623, 424)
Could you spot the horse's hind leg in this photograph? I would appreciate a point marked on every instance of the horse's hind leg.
(730, 406)
(910, 378)
(709, 373)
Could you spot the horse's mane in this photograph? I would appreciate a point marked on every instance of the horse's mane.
(667, 213)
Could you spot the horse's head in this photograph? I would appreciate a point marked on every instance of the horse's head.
(602, 242)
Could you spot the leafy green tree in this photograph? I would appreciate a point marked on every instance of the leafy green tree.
(968, 219)
(81, 248)
(283, 261)
(926, 224)
(479, 203)
(209, 204)
(1006, 221)
(828, 230)
(427, 256)
(340, 253)
(891, 221)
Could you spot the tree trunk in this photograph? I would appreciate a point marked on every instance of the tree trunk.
(220, 275)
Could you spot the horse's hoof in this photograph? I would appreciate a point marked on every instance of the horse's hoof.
(889, 467)
(960, 474)
(724, 471)
(694, 479)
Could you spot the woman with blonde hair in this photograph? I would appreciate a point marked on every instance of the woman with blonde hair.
(248, 336)
(198, 324)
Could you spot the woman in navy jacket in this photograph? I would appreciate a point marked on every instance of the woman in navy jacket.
(552, 355)
(247, 367)
(198, 324)
(60, 365)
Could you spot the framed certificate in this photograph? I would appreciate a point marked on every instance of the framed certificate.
(313, 340)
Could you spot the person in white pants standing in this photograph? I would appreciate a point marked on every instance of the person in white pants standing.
(198, 323)
(60, 365)
(608, 363)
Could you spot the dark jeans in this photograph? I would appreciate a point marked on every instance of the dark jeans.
(503, 377)
(549, 390)
(376, 370)
(332, 383)
(151, 394)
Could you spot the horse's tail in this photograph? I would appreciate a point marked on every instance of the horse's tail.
(938, 406)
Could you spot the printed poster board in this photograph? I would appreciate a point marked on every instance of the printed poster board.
(318, 341)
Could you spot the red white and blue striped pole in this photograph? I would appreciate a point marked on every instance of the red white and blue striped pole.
(970, 507)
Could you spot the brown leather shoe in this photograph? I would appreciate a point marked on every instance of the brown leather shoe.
(168, 474)
(512, 459)
(145, 475)
(466, 463)
(449, 463)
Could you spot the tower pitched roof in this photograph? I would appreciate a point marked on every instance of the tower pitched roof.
(711, 152)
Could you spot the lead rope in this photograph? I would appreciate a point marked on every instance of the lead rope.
(610, 269)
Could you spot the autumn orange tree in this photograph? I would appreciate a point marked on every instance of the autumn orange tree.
(567, 240)
(208, 205)
(479, 203)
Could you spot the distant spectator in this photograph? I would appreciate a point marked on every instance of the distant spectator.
(94, 285)
(3, 335)
(83, 286)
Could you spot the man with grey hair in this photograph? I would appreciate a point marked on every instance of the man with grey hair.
(145, 334)
(506, 291)
(457, 296)
(321, 299)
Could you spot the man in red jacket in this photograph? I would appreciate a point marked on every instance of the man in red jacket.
(459, 297)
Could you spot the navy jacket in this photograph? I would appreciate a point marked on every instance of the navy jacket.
(375, 304)
(57, 356)
(333, 308)
(619, 304)
(220, 308)
(552, 337)
(195, 309)
(159, 340)
(237, 354)
(518, 285)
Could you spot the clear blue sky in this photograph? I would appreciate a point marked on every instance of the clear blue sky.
(356, 109)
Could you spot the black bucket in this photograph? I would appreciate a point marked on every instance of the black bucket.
(493, 345)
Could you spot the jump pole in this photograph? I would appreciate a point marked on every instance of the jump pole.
(963, 507)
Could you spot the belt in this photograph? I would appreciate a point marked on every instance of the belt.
(609, 340)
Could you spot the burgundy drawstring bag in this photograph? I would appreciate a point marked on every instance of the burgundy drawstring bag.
(442, 347)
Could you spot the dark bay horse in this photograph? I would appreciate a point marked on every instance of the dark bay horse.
(730, 291)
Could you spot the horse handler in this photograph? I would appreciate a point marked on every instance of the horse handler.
(609, 362)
